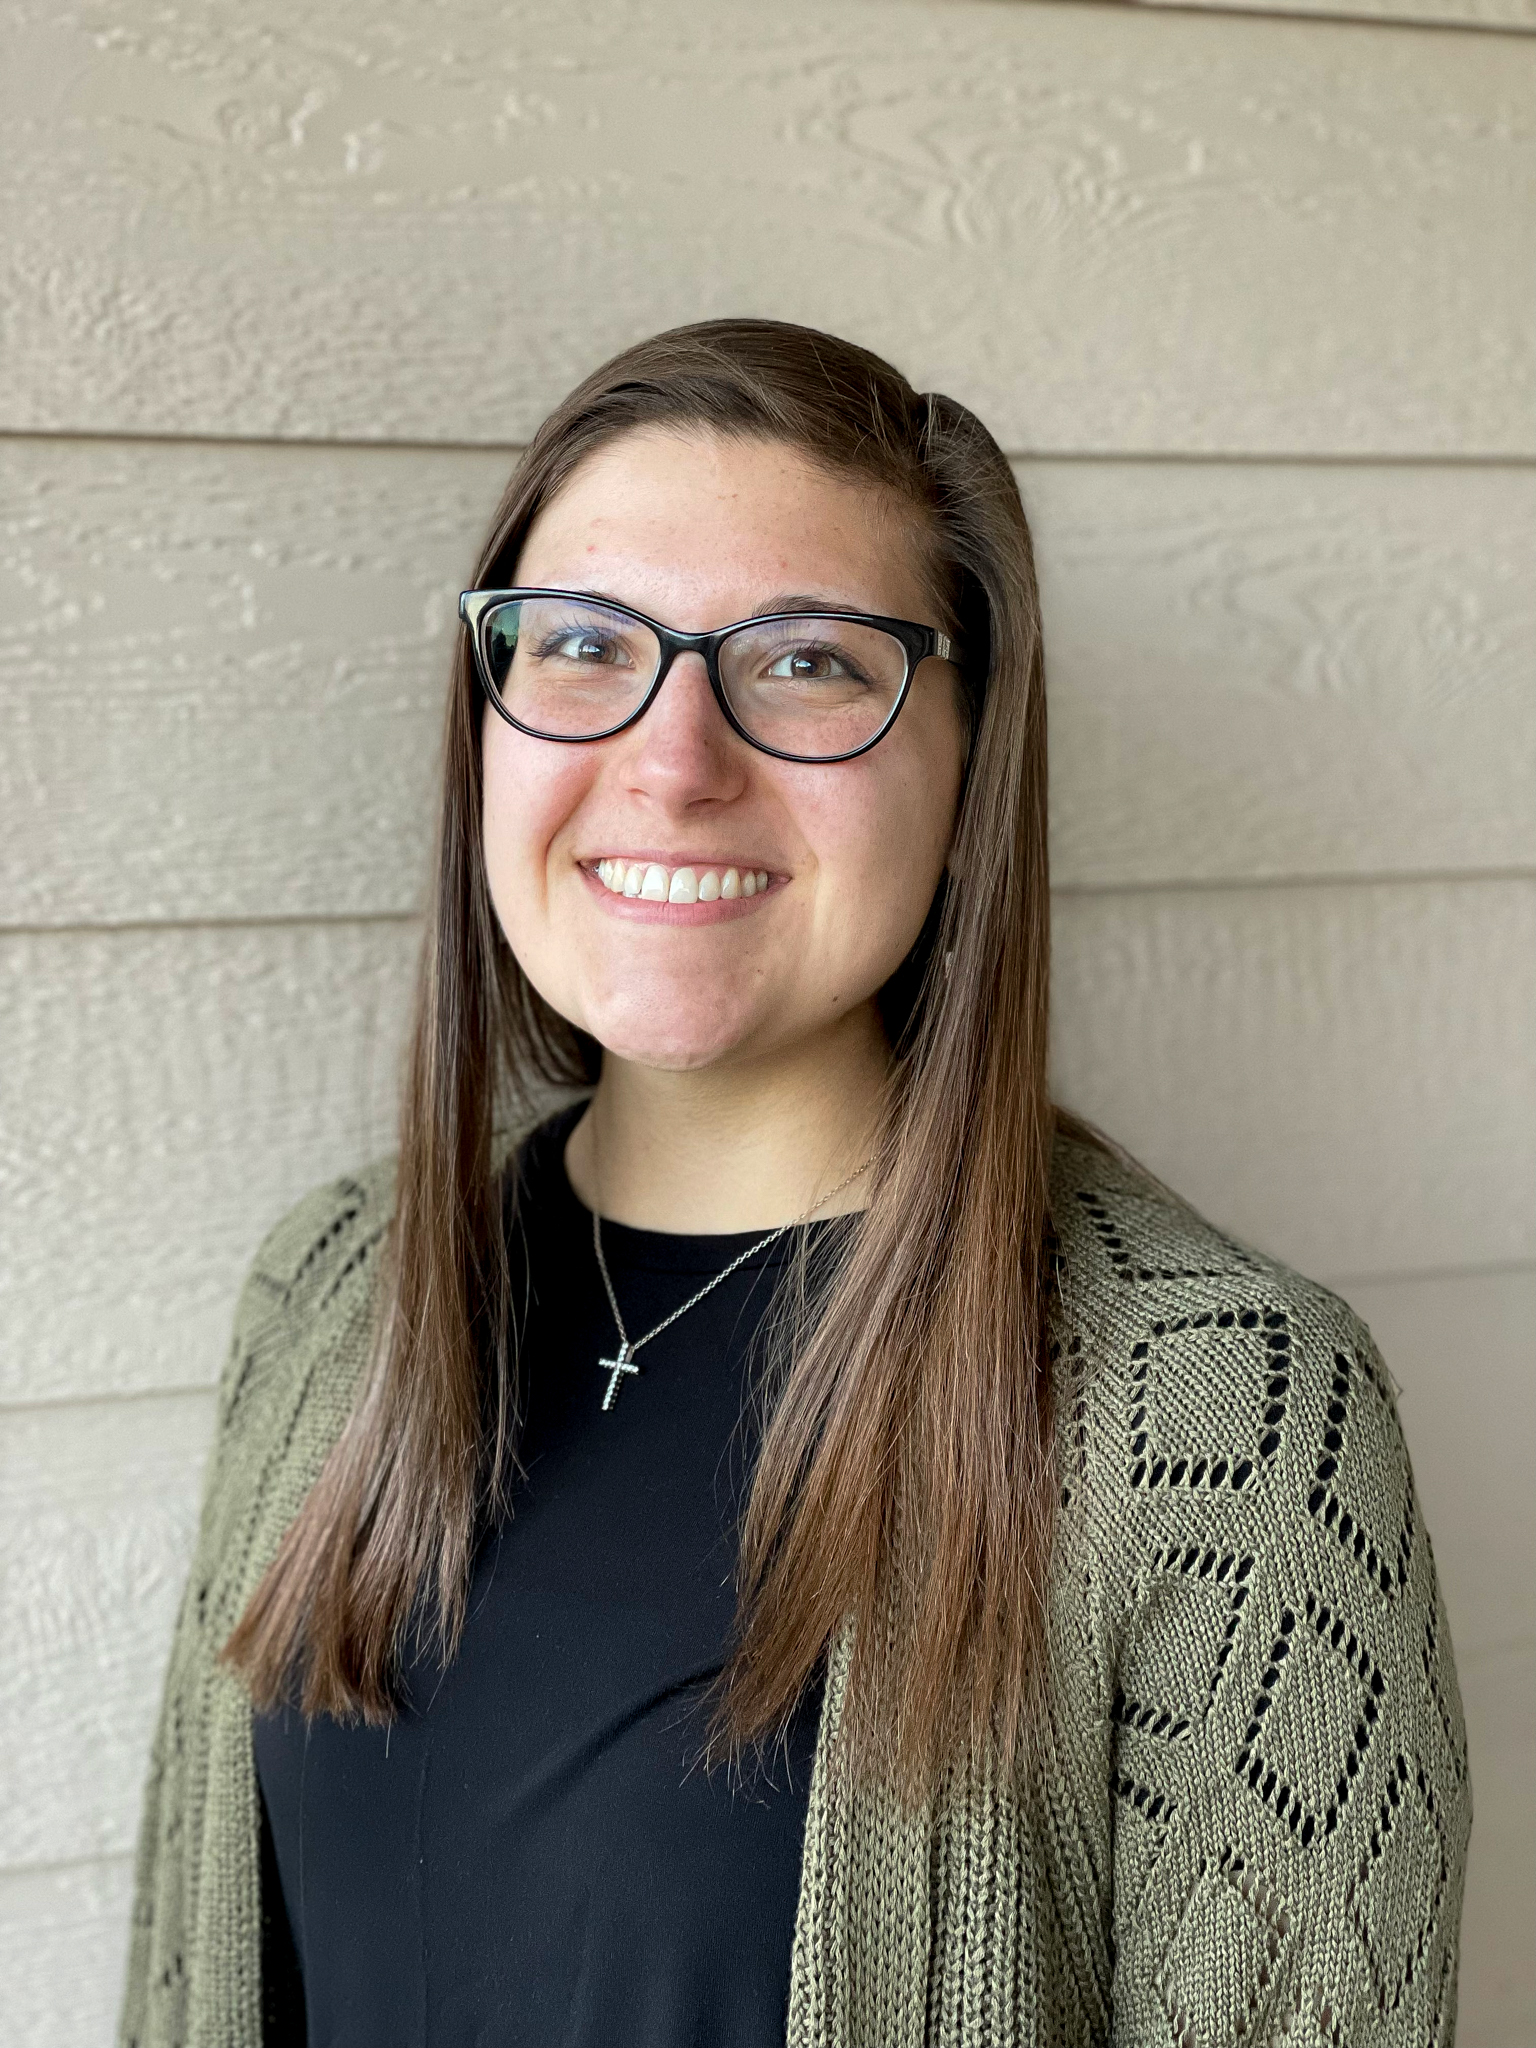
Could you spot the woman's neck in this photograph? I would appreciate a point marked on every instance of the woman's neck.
(741, 1147)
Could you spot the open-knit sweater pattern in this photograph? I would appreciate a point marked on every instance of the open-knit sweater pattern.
(1249, 1813)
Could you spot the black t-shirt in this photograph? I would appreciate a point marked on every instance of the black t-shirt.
(533, 1853)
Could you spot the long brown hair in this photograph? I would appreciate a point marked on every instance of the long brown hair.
(904, 1477)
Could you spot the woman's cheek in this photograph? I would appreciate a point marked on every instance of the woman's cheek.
(530, 791)
(875, 889)
(505, 855)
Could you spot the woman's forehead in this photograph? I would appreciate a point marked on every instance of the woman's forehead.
(701, 515)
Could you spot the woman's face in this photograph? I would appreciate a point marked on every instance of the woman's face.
(698, 532)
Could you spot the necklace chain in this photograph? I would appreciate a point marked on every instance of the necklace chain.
(624, 1363)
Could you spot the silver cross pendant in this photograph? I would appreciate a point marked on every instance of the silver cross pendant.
(614, 1367)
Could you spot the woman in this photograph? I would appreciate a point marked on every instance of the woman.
(809, 1543)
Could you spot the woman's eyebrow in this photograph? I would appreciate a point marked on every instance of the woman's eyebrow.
(785, 601)
(799, 601)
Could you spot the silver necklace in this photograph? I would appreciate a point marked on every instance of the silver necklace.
(616, 1368)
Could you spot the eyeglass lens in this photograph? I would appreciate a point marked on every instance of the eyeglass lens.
(568, 668)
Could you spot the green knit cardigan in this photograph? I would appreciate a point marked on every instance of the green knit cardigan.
(1251, 1819)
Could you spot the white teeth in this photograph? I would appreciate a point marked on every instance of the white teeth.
(656, 884)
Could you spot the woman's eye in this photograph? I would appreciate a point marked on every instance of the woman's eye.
(808, 665)
(584, 647)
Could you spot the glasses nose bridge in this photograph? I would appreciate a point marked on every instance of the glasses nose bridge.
(705, 645)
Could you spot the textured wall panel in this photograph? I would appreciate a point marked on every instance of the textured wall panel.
(221, 671)
(165, 1097)
(98, 1510)
(1498, 1986)
(1462, 1348)
(1106, 228)
(63, 1947)
(1271, 671)
(1345, 1077)
(223, 675)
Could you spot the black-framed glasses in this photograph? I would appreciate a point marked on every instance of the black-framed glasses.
(801, 685)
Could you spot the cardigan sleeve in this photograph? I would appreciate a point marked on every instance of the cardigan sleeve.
(298, 1343)
(160, 1930)
(1290, 1802)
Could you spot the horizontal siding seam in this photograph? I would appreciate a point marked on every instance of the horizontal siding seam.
(63, 1866)
(151, 926)
(1495, 1269)
(1209, 458)
(1208, 885)
(1441, 24)
(129, 1396)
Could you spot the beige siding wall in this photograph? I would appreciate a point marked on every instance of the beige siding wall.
(1246, 297)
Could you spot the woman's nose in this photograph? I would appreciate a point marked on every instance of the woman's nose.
(683, 750)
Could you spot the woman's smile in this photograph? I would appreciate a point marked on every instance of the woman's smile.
(680, 892)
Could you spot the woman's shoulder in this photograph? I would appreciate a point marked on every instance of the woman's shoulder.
(303, 1262)
(1155, 1295)
(1212, 1391)
(1126, 1234)
(301, 1342)
(310, 1289)
(307, 1312)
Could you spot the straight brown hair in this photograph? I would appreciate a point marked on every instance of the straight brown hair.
(904, 1481)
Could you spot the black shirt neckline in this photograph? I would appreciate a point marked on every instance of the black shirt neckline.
(627, 1248)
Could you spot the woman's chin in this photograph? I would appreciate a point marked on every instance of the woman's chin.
(668, 1056)
(677, 1044)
